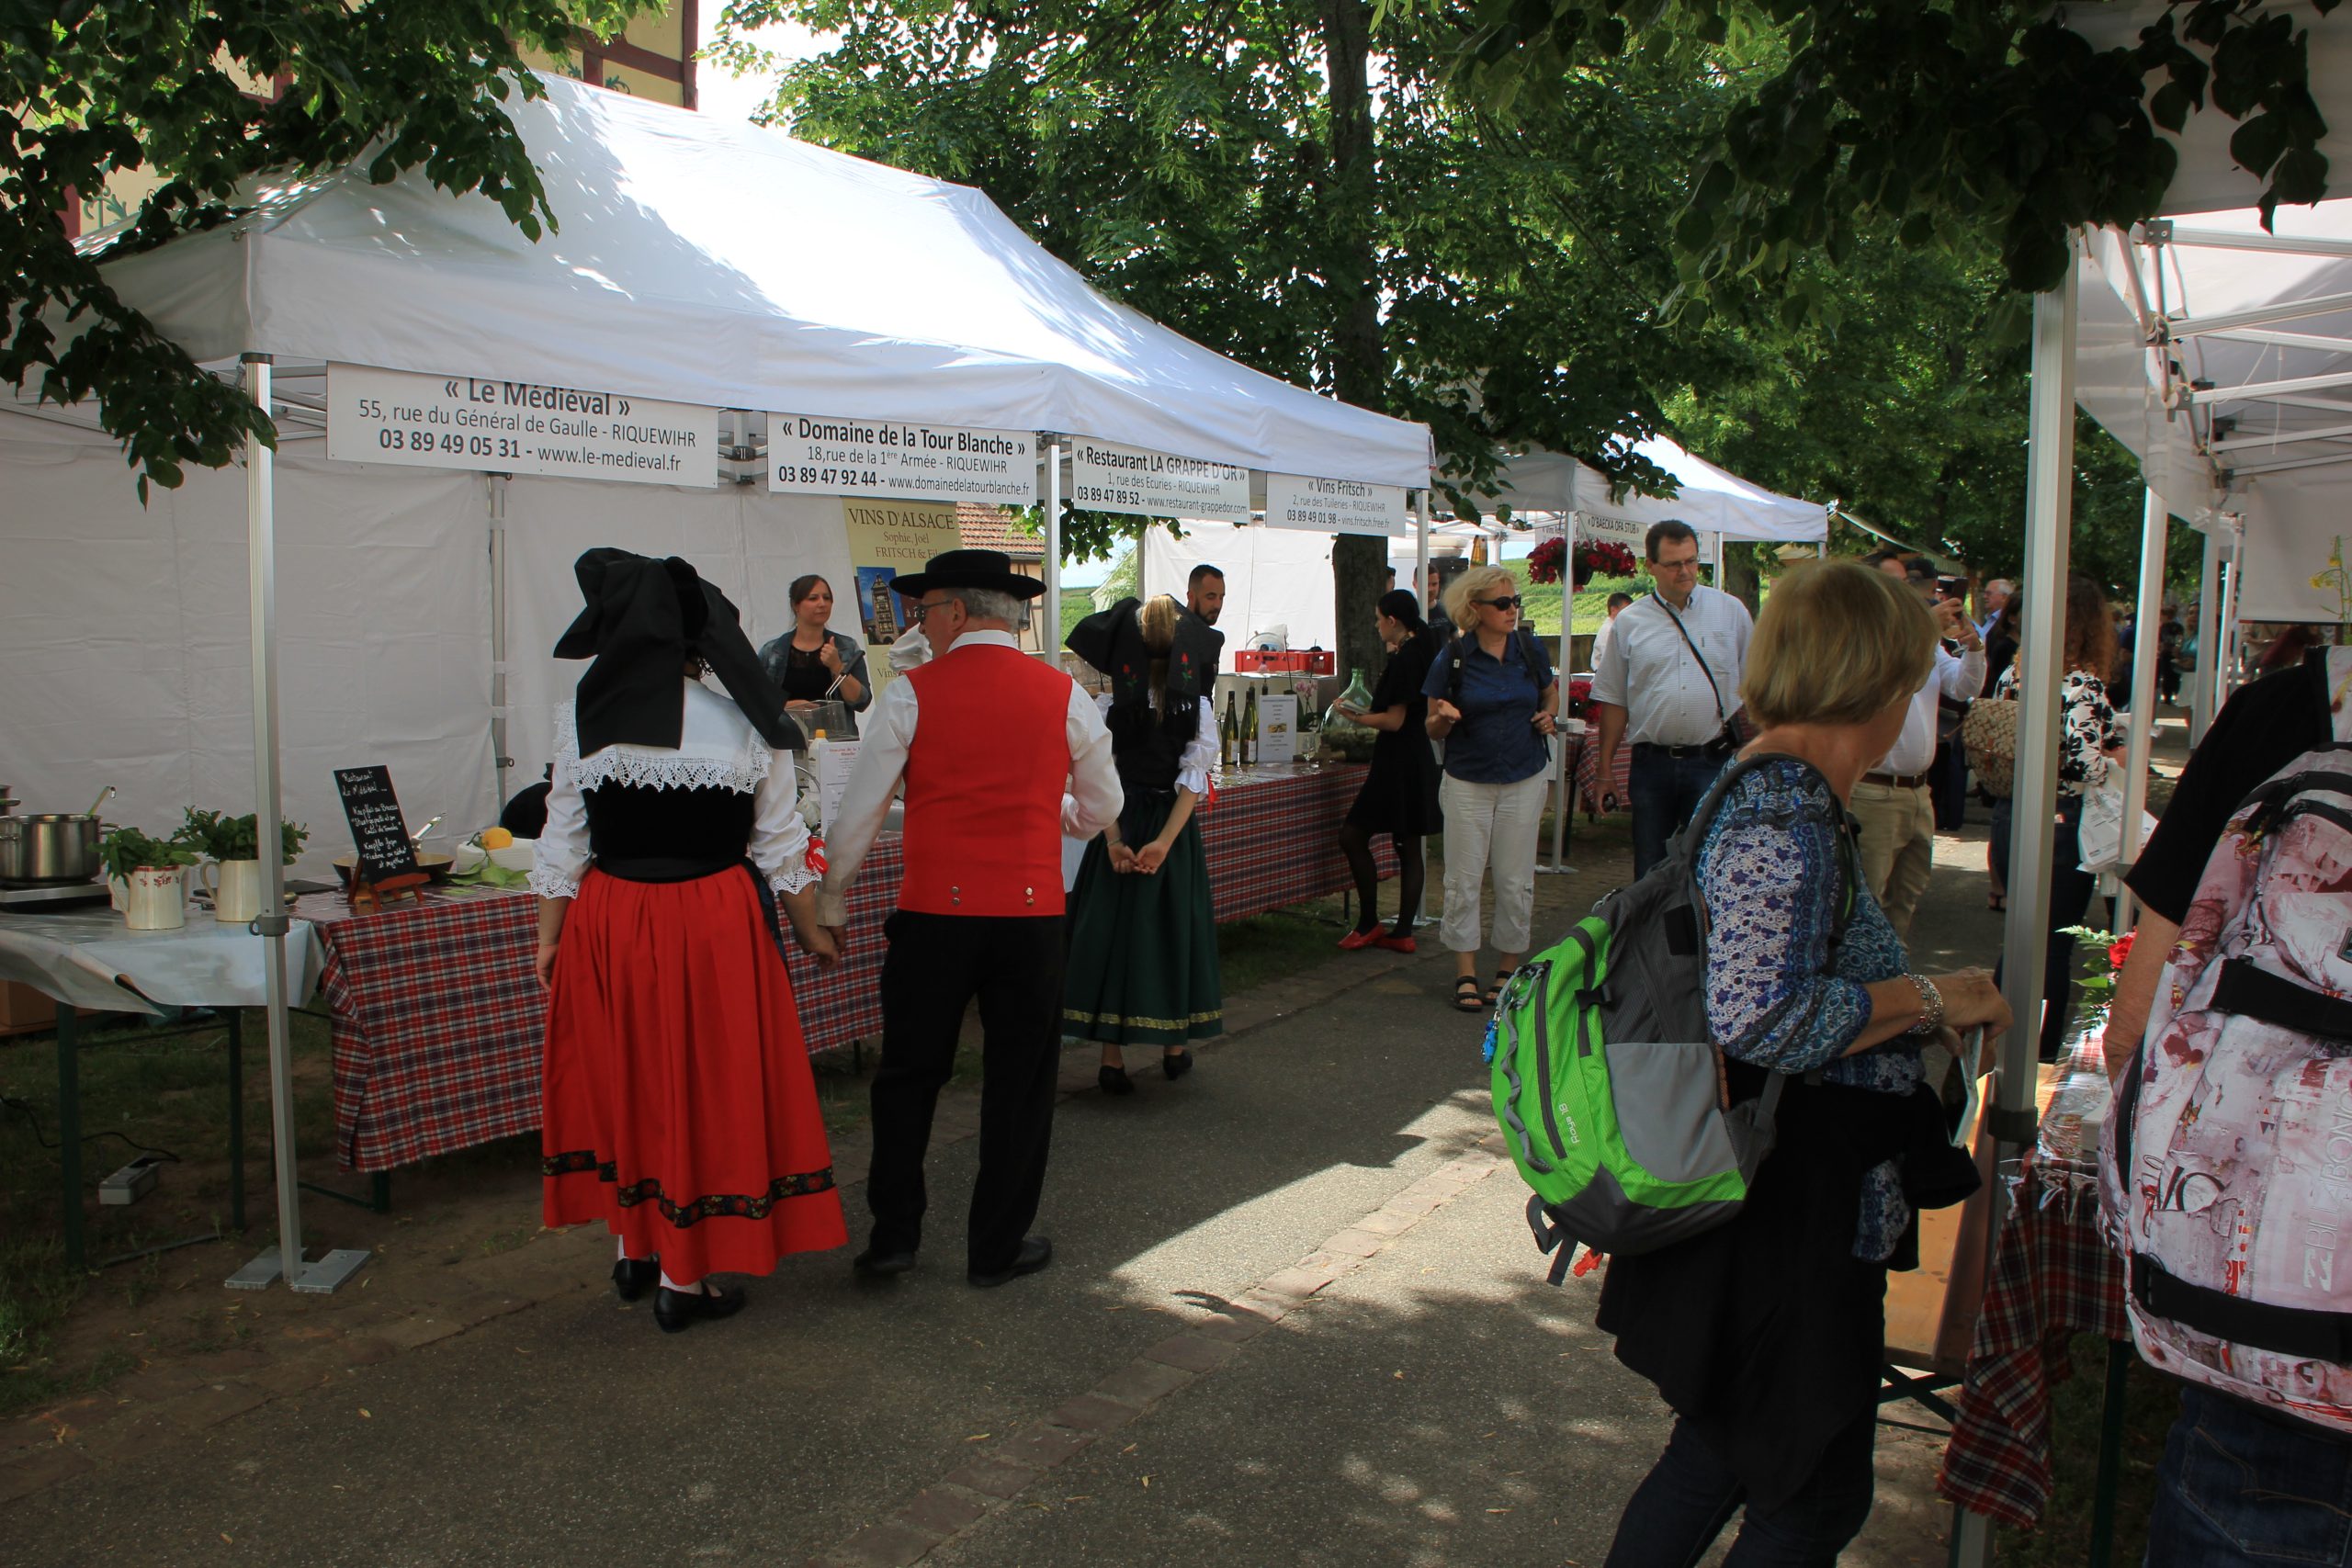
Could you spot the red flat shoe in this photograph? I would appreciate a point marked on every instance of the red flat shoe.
(1356, 939)
(1395, 944)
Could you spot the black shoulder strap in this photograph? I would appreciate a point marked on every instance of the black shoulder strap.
(1701, 658)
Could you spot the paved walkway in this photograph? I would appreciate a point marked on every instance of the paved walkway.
(1295, 1317)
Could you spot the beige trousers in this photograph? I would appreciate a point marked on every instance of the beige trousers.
(1491, 834)
(1898, 847)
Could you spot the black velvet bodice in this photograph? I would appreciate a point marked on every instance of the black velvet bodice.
(667, 835)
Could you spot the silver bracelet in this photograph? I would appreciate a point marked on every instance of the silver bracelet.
(1931, 1006)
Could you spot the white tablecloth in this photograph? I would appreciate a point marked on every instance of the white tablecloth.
(89, 958)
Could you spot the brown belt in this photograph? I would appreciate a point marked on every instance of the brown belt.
(1897, 781)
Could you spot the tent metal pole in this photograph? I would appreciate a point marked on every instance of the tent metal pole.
(2225, 667)
(2209, 603)
(1563, 786)
(2156, 523)
(1049, 637)
(2050, 476)
(500, 755)
(261, 561)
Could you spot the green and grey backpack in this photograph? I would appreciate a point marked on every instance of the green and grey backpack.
(1606, 1081)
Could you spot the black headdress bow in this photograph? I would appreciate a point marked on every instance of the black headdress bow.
(642, 619)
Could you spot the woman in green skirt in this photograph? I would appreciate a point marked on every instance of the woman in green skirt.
(1143, 963)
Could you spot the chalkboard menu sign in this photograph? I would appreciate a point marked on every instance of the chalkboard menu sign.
(386, 857)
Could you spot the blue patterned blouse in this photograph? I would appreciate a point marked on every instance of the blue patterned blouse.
(1777, 995)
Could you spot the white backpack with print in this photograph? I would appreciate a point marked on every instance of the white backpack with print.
(2226, 1168)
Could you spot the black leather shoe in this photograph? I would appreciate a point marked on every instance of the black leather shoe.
(874, 1263)
(1034, 1253)
(1177, 1065)
(1114, 1081)
(676, 1311)
(632, 1277)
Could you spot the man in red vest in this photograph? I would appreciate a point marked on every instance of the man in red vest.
(984, 738)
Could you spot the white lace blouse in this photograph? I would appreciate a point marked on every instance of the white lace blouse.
(718, 749)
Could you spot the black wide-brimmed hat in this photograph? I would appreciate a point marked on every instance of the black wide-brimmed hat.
(642, 618)
(967, 569)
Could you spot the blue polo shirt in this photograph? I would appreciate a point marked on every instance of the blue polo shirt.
(1496, 740)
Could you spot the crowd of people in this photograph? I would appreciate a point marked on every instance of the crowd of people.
(680, 1107)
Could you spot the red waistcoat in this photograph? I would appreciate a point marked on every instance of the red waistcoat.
(984, 785)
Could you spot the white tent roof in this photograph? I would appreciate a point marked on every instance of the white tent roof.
(2223, 357)
(719, 263)
(1711, 499)
(2208, 179)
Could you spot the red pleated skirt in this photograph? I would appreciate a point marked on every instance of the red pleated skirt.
(679, 1105)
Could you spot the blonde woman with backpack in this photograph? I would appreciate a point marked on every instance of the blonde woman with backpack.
(1766, 1332)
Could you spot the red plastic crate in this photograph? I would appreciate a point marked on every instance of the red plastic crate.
(1310, 662)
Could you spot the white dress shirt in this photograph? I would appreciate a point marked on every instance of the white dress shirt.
(1090, 805)
(1958, 676)
(718, 749)
(1648, 669)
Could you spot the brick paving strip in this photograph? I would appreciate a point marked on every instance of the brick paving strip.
(989, 1485)
(182, 1394)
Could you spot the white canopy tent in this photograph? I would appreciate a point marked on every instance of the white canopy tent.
(2112, 348)
(1711, 499)
(692, 267)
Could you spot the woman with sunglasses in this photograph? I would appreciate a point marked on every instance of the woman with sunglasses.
(1494, 701)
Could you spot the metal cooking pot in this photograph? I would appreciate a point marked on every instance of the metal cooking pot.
(51, 847)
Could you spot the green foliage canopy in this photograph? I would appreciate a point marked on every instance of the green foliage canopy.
(97, 87)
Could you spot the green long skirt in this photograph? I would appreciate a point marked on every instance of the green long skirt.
(1143, 963)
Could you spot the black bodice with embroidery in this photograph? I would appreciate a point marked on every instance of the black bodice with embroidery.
(645, 834)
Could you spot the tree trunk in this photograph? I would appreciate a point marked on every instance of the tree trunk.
(1358, 360)
(1739, 571)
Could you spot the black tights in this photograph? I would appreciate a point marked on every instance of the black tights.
(1356, 843)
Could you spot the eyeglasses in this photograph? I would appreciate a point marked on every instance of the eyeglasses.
(922, 611)
(1510, 602)
(1658, 566)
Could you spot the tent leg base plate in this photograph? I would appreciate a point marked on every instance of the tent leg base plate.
(327, 1276)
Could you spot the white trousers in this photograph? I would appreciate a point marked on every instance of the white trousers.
(1491, 830)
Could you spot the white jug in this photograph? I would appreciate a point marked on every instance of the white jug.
(157, 898)
(235, 886)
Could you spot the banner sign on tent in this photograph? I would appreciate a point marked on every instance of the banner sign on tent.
(810, 455)
(517, 427)
(1335, 506)
(1107, 477)
(886, 537)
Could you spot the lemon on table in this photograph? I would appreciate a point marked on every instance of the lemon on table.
(496, 839)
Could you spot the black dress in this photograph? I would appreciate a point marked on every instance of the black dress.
(1399, 795)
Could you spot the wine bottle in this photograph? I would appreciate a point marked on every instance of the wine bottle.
(1226, 730)
(1249, 729)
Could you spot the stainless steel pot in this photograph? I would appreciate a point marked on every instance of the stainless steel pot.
(51, 847)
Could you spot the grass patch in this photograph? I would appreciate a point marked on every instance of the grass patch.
(151, 1085)
(2150, 1401)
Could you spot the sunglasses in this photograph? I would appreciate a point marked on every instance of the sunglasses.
(1510, 601)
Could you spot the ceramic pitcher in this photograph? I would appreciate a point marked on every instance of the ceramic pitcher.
(235, 886)
(157, 899)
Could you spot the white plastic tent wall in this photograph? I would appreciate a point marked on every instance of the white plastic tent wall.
(1274, 577)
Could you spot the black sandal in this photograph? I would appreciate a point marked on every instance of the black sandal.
(1468, 1001)
(1502, 978)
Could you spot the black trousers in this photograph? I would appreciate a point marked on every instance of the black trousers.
(936, 965)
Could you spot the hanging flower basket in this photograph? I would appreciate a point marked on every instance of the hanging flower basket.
(1543, 562)
(1602, 557)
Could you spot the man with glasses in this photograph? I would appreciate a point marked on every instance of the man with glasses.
(1667, 685)
(984, 738)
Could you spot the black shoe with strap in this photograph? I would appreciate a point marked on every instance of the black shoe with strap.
(632, 1277)
(676, 1311)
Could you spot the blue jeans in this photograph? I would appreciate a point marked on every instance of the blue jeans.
(1665, 791)
(1691, 1494)
(2237, 1484)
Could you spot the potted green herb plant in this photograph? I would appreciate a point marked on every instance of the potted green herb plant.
(148, 877)
(234, 844)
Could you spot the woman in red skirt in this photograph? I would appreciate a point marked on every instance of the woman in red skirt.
(679, 1107)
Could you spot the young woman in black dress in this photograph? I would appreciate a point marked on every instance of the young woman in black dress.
(1399, 795)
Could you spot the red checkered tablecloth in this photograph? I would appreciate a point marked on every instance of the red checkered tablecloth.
(2052, 1279)
(438, 1019)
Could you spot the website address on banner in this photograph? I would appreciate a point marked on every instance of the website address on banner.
(576, 457)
